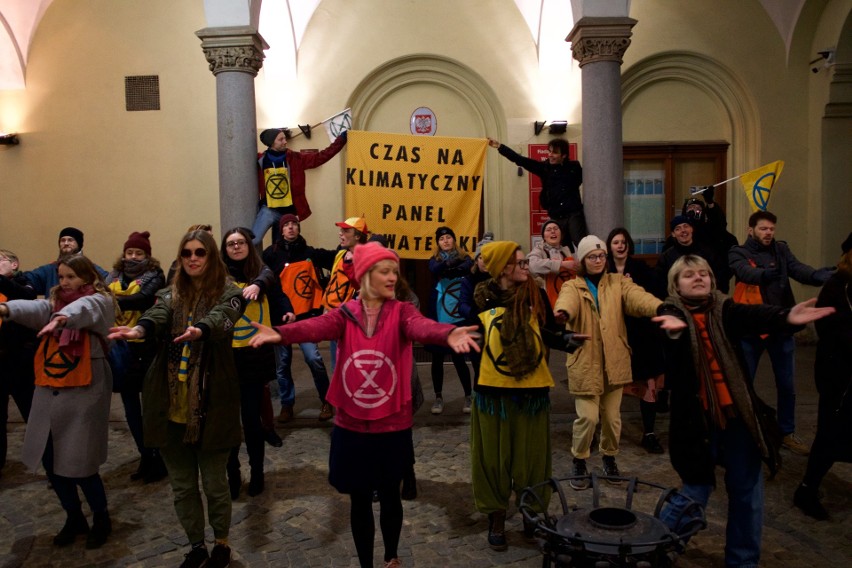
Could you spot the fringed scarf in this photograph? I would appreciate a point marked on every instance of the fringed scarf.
(192, 353)
(71, 340)
(516, 334)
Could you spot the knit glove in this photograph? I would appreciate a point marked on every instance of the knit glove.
(821, 275)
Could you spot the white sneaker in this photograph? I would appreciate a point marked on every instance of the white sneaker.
(467, 403)
(438, 407)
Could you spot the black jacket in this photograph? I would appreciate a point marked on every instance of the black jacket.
(282, 253)
(560, 184)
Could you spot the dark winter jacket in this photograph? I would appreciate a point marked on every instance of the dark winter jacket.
(774, 265)
(560, 184)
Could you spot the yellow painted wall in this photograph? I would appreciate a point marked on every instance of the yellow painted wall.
(84, 160)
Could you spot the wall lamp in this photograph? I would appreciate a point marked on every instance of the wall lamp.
(558, 127)
(9, 139)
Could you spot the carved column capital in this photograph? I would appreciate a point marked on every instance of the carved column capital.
(600, 39)
(233, 48)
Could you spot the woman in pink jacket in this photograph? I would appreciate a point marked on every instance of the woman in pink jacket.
(371, 444)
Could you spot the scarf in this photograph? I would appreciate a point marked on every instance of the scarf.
(133, 269)
(745, 403)
(194, 357)
(516, 334)
(71, 340)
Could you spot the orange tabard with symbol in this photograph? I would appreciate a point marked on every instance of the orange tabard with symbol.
(553, 284)
(339, 289)
(56, 369)
(299, 281)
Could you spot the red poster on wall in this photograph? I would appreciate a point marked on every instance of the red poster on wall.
(537, 213)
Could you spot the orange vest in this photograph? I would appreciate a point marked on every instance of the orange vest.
(553, 284)
(56, 369)
(299, 281)
(340, 289)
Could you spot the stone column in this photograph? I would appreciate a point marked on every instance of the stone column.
(598, 44)
(235, 54)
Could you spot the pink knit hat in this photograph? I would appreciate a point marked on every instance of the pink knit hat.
(366, 255)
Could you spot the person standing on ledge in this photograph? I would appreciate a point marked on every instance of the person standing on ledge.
(281, 180)
(560, 186)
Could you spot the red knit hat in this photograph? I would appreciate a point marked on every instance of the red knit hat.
(139, 241)
(365, 256)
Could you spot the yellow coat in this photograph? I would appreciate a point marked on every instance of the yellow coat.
(607, 346)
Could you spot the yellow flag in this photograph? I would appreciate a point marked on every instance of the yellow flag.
(758, 184)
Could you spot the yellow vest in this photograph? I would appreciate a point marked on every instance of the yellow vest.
(256, 310)
(493, 370)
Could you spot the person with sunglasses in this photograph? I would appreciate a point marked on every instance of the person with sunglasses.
(595, 304)
(191, 393)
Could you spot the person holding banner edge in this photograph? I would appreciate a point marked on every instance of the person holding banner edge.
(560, 180)
(281, 180)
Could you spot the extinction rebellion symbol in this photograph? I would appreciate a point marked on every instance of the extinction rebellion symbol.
(369, 378)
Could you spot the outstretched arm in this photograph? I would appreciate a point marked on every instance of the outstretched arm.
(463, 339)
(805, 312)
(264, 335)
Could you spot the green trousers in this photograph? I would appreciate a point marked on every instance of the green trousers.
(184, 464)
(509, 450)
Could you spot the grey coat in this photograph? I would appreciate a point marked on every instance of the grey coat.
(77, 417)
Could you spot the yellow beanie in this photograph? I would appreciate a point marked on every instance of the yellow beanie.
(496, 255)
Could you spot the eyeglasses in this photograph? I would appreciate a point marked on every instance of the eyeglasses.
(235, 244)
(597, 257)
(199, 253)
(523, 263)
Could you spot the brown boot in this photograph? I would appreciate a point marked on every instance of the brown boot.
(286, 414)
(326, 412)
(497, 531)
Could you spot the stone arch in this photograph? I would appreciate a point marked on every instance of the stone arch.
(461, 81)
(721, 84)
(836, 144)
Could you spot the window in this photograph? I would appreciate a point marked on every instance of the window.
(657, 178)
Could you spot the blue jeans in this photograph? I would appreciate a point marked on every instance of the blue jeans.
(313, 359)
(782, 349)
(265, 218)
(735, 450)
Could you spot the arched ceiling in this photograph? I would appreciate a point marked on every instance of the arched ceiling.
(20, 19)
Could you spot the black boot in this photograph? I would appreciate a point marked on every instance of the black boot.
(256, 484)
(101, 529)
(409, 486)
(75, 524)
(497, 531)
(156, 468)
(142, 470)
(807, 499)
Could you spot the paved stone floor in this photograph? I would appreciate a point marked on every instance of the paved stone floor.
(301, 521)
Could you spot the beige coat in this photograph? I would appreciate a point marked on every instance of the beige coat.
(606, 353)
(77, 418)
